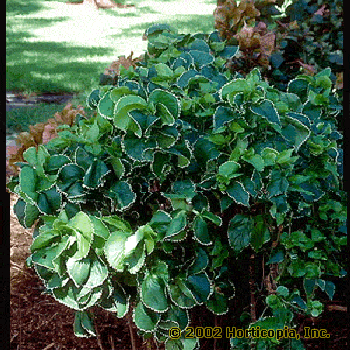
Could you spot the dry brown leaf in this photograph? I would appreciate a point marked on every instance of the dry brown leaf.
(49, 133)
(126, 62)
(339, 83)
(230, 17)
(261, 27)
(308, 68)
(267, 43)
(248, 38)
(249, 9)
(293, 25)
(25, 139)
(36, 131)
(67, 116)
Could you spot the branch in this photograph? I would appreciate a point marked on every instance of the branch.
(111, 341)
(131, 330)
(337, 308)
(99, 341)
(252, 289)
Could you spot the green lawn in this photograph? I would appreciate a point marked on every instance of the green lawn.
(52, 46)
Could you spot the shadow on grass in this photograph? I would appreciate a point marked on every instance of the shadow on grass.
(22, 7)
(20, 118)
(51, 76)
(193, 23)
(182, 23)
(44, 66)
(145, 10)
(36, 66)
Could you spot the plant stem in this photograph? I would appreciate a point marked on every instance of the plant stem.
(252, 289)
(131, 330)
(99, 341)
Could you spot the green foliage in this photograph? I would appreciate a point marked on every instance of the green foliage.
(284, 37)
(316, 39)
(184, 169)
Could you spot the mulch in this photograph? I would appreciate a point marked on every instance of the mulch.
(38, 321)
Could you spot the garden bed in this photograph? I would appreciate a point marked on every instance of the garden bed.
(240, 225)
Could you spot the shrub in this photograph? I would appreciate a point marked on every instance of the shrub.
(309, 35)
(186, 173)
(318, 36)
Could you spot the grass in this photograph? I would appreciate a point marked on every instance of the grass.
(19, 119)
(54, 47)
(57, 51)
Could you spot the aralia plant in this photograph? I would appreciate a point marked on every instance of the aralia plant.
(154, 200)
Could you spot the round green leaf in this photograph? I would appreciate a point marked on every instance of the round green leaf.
(201, 232)
(27, 181)
(201, 58)
(121, 194)
(93, 98)
(95, 173)
(114, 249)
(239, 232)
(145, 319)
(117, 302)
(180, 294)
(229, 169)
(199, 263)
(237, 191)
(153, 293)
(200, 286)
(168, 100)
(266, 109)
(98, 273)
(106, 106)
(217, 304)
(49, 201)
(78, 270)
(82, 225)
(177, 224)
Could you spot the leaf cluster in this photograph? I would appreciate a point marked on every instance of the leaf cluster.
(307, 35)
(247, 22)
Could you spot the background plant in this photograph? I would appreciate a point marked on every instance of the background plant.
(41, 133)
(187, 174)
(284, 36)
